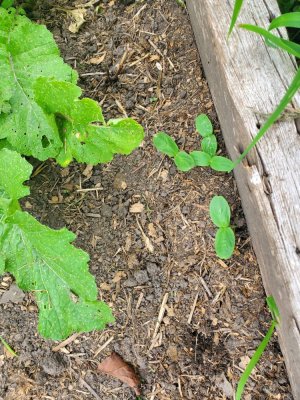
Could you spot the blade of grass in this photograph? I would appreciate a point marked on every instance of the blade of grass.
(289, 20)
(8, 348)
(290, 47)
(254, 360)
(236, 12)
(292, 90)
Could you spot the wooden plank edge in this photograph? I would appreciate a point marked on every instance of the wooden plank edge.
(257, 204)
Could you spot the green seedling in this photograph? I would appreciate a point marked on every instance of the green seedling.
(225, 239)
(43, 115)
(261, 348)
(8, 348)
(206, 157)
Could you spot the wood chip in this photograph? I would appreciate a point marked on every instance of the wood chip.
(137, 208)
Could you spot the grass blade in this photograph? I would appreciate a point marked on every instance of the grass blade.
(289, 20)
(236, 12)
(287, 45)
(292, 90)
(8, 348)
(254, 360)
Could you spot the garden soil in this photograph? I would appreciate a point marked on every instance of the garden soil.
(146, 227)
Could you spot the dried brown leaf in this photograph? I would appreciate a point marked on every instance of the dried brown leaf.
(115, 366)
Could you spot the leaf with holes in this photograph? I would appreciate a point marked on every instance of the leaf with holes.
(44, 261)
(81, 125)
(28, 51)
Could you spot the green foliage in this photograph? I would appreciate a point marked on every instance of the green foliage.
(261, 348)
(43, 261)
(42, 115)
(289, 20)
(165, 144)
(7, 3)
(220, 215)
(236, 12)
(183, 161)
(292, 90)
(204, 125)
(286, 20)
(287, 45)
(204, 158)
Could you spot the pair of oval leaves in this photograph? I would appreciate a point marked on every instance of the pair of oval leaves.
(204, 158)
(220, 214)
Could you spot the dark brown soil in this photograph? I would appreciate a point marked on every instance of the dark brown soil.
(161, 85)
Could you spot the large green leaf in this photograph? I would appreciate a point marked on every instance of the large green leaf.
(14, 170)
(43, 261)
(28, 51)
(81, 125)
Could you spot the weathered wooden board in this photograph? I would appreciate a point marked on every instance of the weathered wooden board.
(248, 79)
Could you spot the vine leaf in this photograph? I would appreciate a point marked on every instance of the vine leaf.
(45, 262)
(86, 136)
(27, 51)
(14, 170)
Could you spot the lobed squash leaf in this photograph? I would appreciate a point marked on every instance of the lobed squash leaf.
(44, 261)
(81, 125)
(28, 51)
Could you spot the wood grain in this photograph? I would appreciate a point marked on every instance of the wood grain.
(247, 80)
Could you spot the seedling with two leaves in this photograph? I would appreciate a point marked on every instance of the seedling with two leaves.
(206, 157)
(225, 239)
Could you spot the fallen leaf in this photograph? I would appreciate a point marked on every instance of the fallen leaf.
(137, 208)
(78, 17)
(97, 60)
(115, 366)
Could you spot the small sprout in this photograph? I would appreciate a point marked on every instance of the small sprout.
(184, 162)
(209, 145)
(204, 125)
(221, 164)
(220, 214)
(165, 144)
(204, 158)
(201, 159)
